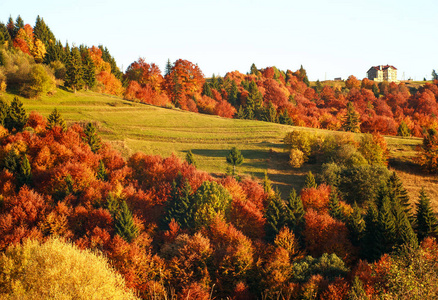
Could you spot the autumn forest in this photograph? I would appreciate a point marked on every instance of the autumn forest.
(80, 220)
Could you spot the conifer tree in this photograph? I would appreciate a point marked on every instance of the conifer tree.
(303, 76)
(254, 70)
(274, 216)
(356, 225)
(74, 70)
(25, 173)
(386, 233)
(55, 52)
(271, 113)
(11, 161)
(241, 113)
(234, 158)
(403, 130)
(101, 174)
(376, 91)
(357, 291)
(233, 94)
(254, 101)
(89, 69)
(19, 23)
(267, 186)
(335, 209)
(351, 120)
(5, 37)
(294, 213)
(16, 117)
(55, 119)
(371, 246)
(11, 27)
(285, 119)
(180, 205)
(398, 193)
(43, 32)
(190, 159)
(91, 138)
(310, 181)
(4, 110)
(426, 220)
(206, 90)
(106, 56)
(124, 223)
(404, 234)
(168, 68)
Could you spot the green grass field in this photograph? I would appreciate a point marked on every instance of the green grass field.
(132, 127)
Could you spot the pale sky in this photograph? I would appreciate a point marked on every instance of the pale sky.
(331, 38)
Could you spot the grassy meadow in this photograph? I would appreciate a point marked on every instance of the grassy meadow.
(132, 127)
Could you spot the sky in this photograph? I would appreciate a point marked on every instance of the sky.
(330, 38)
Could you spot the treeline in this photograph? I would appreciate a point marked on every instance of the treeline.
(267, 94)
(171, 229)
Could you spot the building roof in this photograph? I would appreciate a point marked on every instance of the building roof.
(381, 67)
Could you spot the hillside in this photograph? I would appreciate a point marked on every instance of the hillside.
(131, 127)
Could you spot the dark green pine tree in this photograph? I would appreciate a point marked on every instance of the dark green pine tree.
(5, 37)
(254, 70)
(285, 118)
(303, 76)
(403, 130)
(404, 234)
(124, 223)
(214, 82)
(4, 110)
(274, 216)
(241, 113)
(270, 114)
(19, 23)
(74, 70)
(91, 138)
(43, 32)
(376, 91)
(206, 90)
(294, 214)
(356, 225)
(351, 120)
(89, 69)
(16, 117)
(55, 52)
(24, 175)
(168, 69)
(310, 181)
(426, 220)
(233, 94)
(371, 246)
(190, 158)
(55, 119)
(254, 102)
(386, 223)
(398, 194)
(106, 56)
(335, 209)
(234, 158)
(267, 185)
(11, 161)
(180, 206)
(101, 173)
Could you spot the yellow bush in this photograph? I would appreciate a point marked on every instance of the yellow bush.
(297, 158)
(58, 270)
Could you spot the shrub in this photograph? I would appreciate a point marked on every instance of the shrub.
(40, 82)
(297, 158)
(58, 270)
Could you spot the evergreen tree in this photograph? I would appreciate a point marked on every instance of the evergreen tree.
(190, 159)
(404, 234)
(4, 111)
(89, 69)
(303, 76)
(254, 101)
(241, 113)
(386, 233)
(254, 70)
(43, 32)
(267, 186)
(335, 209)
(233, 94)
(24, 172)
(234, 158)
(180, 205)
(55, 119)
(91, 138)
(310, 181)
(376, 91)
(351, 120)
(74, 70)
(371, 246)
(398, 194)
(274, 216)
(271, 114)
(356, 225)
(294, 213)
(434, 75)
(11, 28)
(206, 90)
(168, 68)
(101, 174)
(106, 56)
(5, 37)
(318, 87)
(403, 130)
(124, 223)
(11, 161)
(16, 117)
(285, 119)
(19, 23)
(55, 52)
(427, 223)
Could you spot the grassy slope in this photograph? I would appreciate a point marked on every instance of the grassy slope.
(132, 127)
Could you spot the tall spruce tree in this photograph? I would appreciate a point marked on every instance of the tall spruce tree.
(91, 138)
(386, 224)
(43, 32)
(19, 23)
(234, 158)
(180, 206)
(335, 209)
(106, 56)
(190, 159)
(206, 90)
(285, 118)
(398, 193)
(5, 37)
(101, 173)
(55, 119)
(275, 219)
(403, 130)
(351, 120)
(168, 69)
(233, 94)
(356, 225)
(16, 117)
(55, 52)
(371, 246)
(24, 175)
(426, 220)
(124, 223)
(294, 214)
(11, 27)
(4, 110)
(310, 181)
(74, 70)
